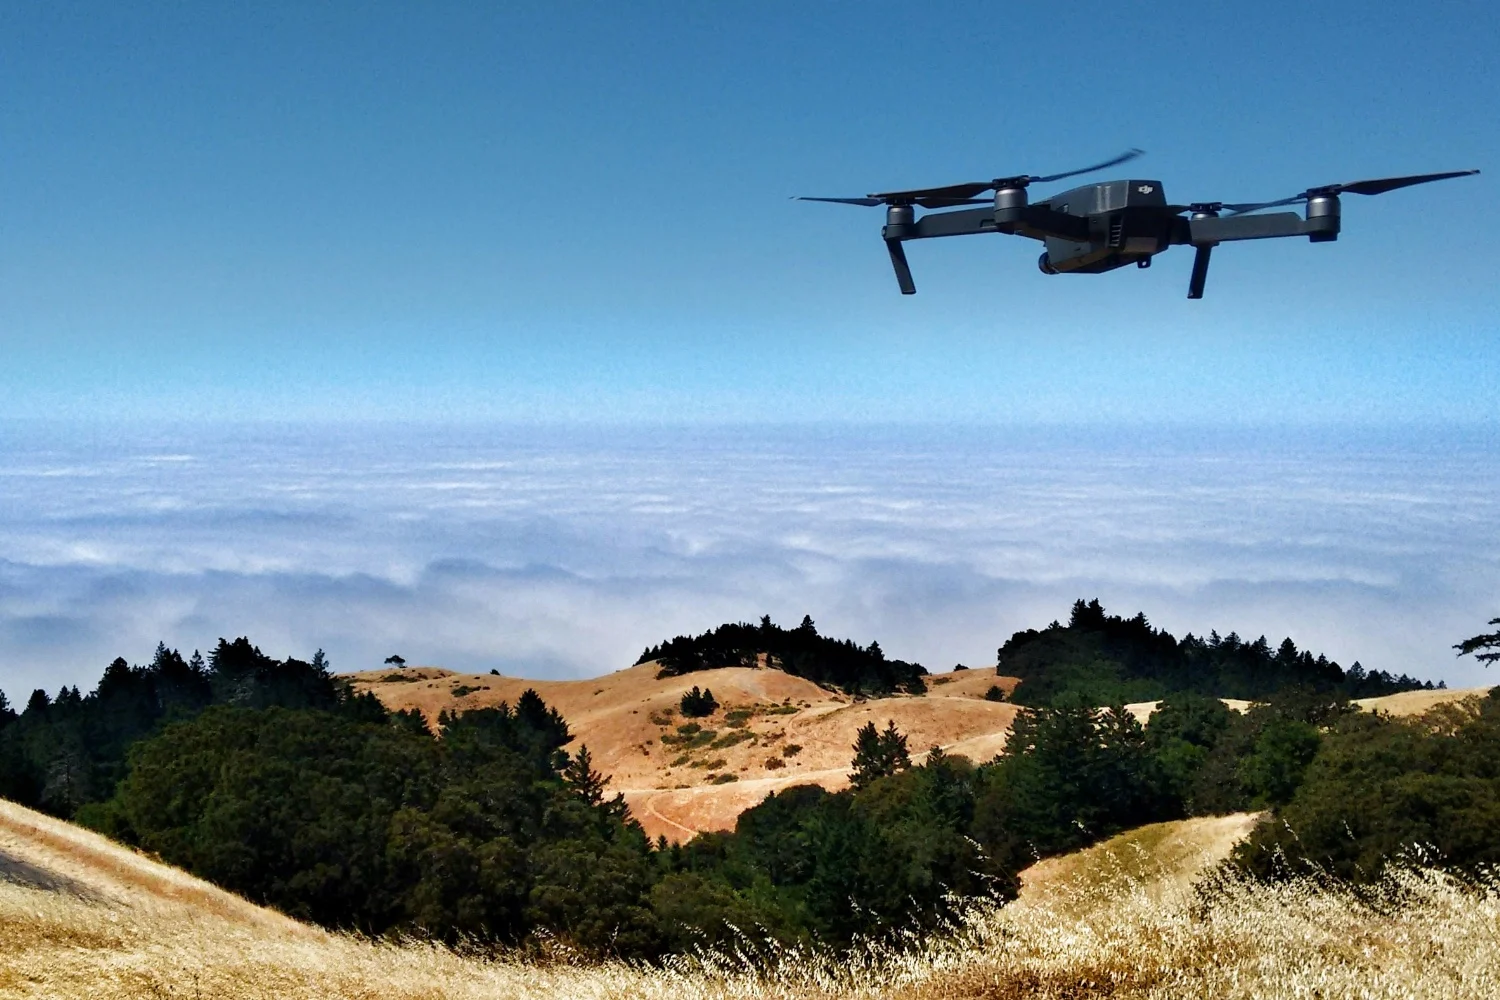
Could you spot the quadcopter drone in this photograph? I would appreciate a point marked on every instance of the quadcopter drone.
(1099, 227)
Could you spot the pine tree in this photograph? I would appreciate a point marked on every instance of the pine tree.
(878, 754)
(586, 782)
(867, 763)
(696, 703)
(1490, 644)
(893, 748)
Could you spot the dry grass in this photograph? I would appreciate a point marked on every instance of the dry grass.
(1409, 703)
(623, 717)
(1118, 921)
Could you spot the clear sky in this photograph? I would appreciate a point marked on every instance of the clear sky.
(580, 211)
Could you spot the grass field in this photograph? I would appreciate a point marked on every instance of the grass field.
(81, 917)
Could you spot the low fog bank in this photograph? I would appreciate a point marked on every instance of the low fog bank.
(559, 553)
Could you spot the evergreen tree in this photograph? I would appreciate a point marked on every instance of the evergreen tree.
(587, 783)
(878, 754)
(697, 704)
(1486, 648)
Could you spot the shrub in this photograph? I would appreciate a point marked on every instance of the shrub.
(791, 750)
(995, 693)
(731, 738)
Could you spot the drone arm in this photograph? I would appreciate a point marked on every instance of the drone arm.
(1037, 222)
(965, 223)
(1208, 231)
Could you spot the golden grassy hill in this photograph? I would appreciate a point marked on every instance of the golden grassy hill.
(81, 917)
(771, 731)
(678, 785)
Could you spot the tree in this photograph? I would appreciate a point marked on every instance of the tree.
(696, 704)
(1489, 644)
(396, 661)
(878, 754)
(580, 775)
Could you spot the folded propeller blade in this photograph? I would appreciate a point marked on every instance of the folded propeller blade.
(868, 202)
(950, 192)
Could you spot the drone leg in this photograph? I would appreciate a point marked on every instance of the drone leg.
(1200, 272)
(903, 270)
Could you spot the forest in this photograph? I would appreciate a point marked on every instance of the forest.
(1107, 659)
(837, 664)
(273, 779)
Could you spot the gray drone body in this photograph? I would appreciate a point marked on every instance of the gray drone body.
(1100, 227)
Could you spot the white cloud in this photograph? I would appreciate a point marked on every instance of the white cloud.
(563, 553)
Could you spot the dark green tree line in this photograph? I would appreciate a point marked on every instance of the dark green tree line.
(836, 664)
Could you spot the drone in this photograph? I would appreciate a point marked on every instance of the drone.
(1099, 227)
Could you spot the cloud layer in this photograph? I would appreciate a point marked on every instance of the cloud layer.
(563, 552)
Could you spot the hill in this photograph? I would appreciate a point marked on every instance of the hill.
(678, 786)
(771, 730)
(81, 917)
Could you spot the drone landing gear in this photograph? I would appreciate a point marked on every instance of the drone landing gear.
(903, 269)
(1200, 272)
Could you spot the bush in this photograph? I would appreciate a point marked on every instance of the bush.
(995, 693)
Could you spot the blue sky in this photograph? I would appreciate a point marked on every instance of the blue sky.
(580, 212)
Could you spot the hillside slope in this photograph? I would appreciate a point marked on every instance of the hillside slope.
(83, 918)
(771, 731)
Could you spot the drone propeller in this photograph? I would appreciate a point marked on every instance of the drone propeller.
(1378, 186)
(963, 194)
(924, 202)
